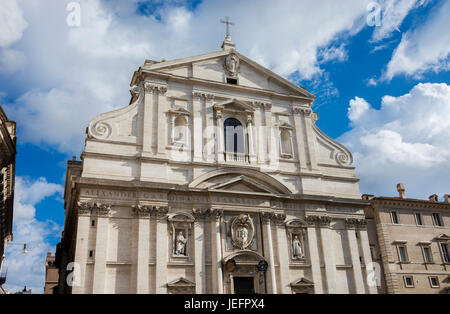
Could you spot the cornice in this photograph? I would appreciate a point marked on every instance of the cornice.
(409, 203)
(222, 86)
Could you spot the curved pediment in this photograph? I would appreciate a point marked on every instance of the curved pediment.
(245, 257)
(240, 180)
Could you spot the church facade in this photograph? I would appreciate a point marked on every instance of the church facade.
(214, 179)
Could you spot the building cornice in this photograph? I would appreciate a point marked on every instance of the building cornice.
(409, 203)
(221, 86)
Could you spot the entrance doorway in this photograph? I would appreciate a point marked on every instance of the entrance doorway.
(244, 285)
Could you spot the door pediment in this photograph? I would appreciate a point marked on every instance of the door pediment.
(242, 184)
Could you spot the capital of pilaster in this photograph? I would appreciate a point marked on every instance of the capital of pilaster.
(155, 88)
(279, 218)
(318, 220)
(161, 212)
(302, 111)
(142, 211)
(199, 213)
(203, 95)
(267, 216)
(103, 209)
(267, 106)
(355, 223)
(215, 213)
(84, 208)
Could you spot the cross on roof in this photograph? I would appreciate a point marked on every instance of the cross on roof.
(228, 23)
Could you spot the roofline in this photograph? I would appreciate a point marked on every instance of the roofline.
(212, 55)
(405, 200)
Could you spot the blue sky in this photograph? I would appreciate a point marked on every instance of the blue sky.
(382, 90)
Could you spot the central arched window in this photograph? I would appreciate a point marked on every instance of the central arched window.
(234, 139)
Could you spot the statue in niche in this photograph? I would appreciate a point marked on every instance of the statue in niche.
(297, 251)
(180, 244)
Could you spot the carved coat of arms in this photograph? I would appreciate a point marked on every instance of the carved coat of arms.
(242, 231)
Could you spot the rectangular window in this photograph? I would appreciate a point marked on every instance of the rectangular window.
(419, 219)
(91, 253)
(394, 217)
(403, 255)
(437, 219)
(445, 253)
(409, 281)
(434, 281)
(93, 223)
(427, 256)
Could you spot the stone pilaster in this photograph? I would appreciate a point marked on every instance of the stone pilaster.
(283, 254)
(268, 249)
(101, 247)
(209, 131)
(251, 144)
(81, 249)
(300, 135)
(260, 132)
(351, 225)
(198, 100)
(148, 123)
(270, 152)
(160, 214)
(314, 257)
(162, 121)
(142, 223)
(216, 249)
(199, 248)
(367, 257)
(323, 222)
(220, 136)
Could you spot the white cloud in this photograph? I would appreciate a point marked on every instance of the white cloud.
(29, 269)
(12, 23)
(11, 60)
(74, 74)
(392, 16)
(358, 107)
(406, 140)
(425, 48)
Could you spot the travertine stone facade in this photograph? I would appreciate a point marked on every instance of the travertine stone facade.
(410, 240)
(7, 175)
(215, 179)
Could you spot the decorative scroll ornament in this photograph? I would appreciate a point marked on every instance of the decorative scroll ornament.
(101, 130)
(232, 65)
(343, 159)
(242, 231)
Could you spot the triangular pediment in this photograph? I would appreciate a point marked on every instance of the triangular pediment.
(181, 282)
(443, 237)
(234, 105)
(302, 282)
(242, 184)
(210, 67)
